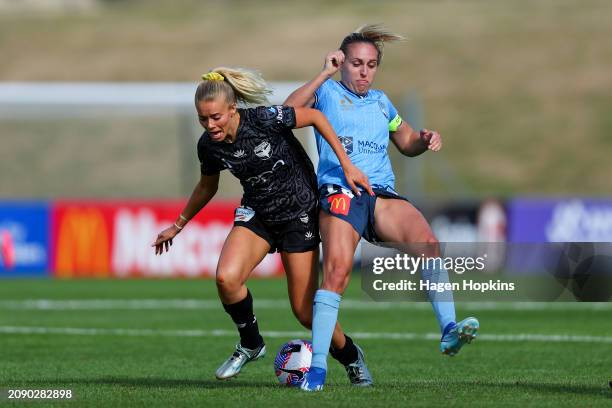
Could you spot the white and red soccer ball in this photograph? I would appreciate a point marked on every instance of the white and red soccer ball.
(292, 362)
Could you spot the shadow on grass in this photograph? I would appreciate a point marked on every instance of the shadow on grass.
(153, 382)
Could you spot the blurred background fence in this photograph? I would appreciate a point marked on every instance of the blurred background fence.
(98, 131)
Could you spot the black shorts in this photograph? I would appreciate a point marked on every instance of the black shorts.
(299, 235)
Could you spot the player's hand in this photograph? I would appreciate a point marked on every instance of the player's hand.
(432, 139)
(355, 177)
(164, 239)
(333, 61)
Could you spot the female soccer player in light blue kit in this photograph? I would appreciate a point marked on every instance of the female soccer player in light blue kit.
(365, 120)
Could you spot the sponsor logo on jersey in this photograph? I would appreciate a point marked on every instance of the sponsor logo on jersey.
(243, 214)
(263, 150)
(304, 218)
(279, 113)
(263, 177)
(369, 147)
(347, 143)
(339, 204)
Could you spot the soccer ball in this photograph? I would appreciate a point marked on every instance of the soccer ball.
(292, 362)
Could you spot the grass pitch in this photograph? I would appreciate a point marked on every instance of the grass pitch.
(158, 343)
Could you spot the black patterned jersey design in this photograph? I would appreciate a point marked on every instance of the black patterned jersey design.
(276, 174)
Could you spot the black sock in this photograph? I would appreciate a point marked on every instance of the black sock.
(346, 355)
(242, 314)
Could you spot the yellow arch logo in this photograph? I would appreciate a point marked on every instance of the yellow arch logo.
(82, 244)
(339, 204)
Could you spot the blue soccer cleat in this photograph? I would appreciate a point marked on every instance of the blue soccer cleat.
(314, 379)
(457, 334)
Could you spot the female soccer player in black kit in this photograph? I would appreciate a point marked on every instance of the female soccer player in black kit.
(278, 211)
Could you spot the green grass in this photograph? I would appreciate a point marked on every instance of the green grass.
(166, 370)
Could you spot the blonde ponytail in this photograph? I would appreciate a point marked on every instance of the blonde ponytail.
(236, 84)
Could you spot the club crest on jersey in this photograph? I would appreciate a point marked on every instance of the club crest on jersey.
(384, 109)
(239, 154)
(347, 143)
(304, 218)
(243, 214)
(263, 150)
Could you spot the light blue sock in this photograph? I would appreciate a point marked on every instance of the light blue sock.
(442, 302)
(325, 314)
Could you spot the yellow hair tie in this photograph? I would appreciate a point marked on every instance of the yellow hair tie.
(213, 76)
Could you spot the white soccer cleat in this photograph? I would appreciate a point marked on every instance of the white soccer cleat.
(232, 366)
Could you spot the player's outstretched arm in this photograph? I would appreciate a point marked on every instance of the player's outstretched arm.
(202, 193)
(312, 117)
(303, 97)
(412, 143)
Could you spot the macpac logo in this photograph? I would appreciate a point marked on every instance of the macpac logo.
(339, 204)
(82, 244)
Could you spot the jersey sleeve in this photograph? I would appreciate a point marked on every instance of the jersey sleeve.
(394, 118)
(208, 165)
(277, 117)
(322, 93)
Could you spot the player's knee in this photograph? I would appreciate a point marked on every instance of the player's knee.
(225, 282)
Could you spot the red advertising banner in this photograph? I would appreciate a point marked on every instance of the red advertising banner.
(113, 239)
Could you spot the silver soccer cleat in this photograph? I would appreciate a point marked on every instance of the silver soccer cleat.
(232, 366)
(358, 372)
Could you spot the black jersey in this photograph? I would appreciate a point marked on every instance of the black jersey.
(276, 174)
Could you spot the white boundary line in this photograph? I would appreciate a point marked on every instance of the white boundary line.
(261, 304)
(548, 338)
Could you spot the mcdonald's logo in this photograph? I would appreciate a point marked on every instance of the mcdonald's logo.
(82, 244)
(339, 204)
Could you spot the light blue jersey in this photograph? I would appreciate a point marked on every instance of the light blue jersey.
(362, 124)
